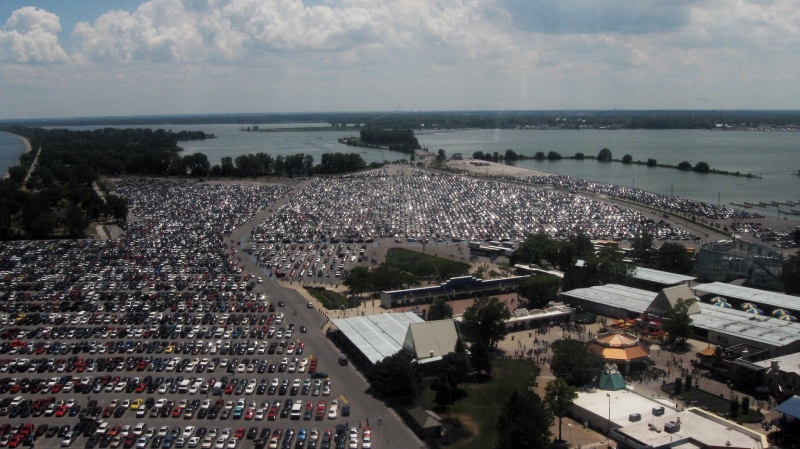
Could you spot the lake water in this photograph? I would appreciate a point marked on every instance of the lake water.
(11, 147)
(772, 155)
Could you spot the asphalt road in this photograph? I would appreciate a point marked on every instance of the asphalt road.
(346, 380)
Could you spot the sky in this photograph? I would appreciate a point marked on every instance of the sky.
(81, 58)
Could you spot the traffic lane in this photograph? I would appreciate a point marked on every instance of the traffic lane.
(346, 380)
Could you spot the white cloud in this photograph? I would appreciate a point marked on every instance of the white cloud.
(185, 56)
(176, 30)
(30, 36)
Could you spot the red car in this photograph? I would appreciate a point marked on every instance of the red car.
(61, 411)
(239, 433)
(16, 441)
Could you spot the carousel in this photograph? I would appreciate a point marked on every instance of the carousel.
(621, 349)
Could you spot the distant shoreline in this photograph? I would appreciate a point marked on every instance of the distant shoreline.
(27, 144)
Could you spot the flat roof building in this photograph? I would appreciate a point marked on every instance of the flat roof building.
(634, 421)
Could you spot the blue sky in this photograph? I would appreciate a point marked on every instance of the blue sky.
(63, 58)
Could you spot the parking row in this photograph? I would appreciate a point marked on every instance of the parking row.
(103, 434)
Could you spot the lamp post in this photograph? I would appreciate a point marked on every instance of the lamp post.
(608, 430)
(570, 433)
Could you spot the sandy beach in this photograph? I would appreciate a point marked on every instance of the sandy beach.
(494, 168)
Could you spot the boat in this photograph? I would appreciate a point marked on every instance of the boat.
(748, 205)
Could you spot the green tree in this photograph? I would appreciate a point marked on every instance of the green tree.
(574, 363)
(583, 245)
(674, 258)
(385, 277)
(439, 310)
(685, 165)
(511, 155)
(539, 156)
(559, 397)
(560, 253)
(358, 280)
(484, 321)
(75, 221)
(791, 275)
(553, 156)
(702, 167)
(539, 290)
(580, 156)
(395, 376)
(532, 250)
(678, 322)
(642, 247)
(651, 162)
(604, 155)
(627, 159)
(453, 370)
(524, 421)
(117, 207)
(480, 357)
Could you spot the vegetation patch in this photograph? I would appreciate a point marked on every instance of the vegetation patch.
(478, 409)
(332, 300)
(424, 265)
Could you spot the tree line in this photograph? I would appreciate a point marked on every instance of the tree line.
(59, 200)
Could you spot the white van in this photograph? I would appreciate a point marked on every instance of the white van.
(297, 409)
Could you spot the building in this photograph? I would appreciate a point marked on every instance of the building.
(633, 421)
(373, 338)
(461, 287)
(458, 157)
(655, 280)
(738, 296)
(429, 341)
(712, 324)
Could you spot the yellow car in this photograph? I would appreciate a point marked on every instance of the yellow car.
(168, 349)
(136, 404)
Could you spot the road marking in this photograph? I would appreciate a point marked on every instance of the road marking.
(343, 399)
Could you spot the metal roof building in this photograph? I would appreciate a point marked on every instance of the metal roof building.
(661, 278)
(725, 327)
(377, 336)
(610, 300)
(738, 295)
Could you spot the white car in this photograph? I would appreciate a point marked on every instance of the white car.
(194, 441)
(333, 411)
(188, 431)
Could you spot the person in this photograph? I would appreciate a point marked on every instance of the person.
(379, 420)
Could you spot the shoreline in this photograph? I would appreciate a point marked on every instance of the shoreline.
(25, 142)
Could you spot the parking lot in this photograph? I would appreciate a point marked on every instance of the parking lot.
(165, 339)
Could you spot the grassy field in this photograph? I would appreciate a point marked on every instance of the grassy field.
(330, 299)
(421, 264)
(478, 410)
